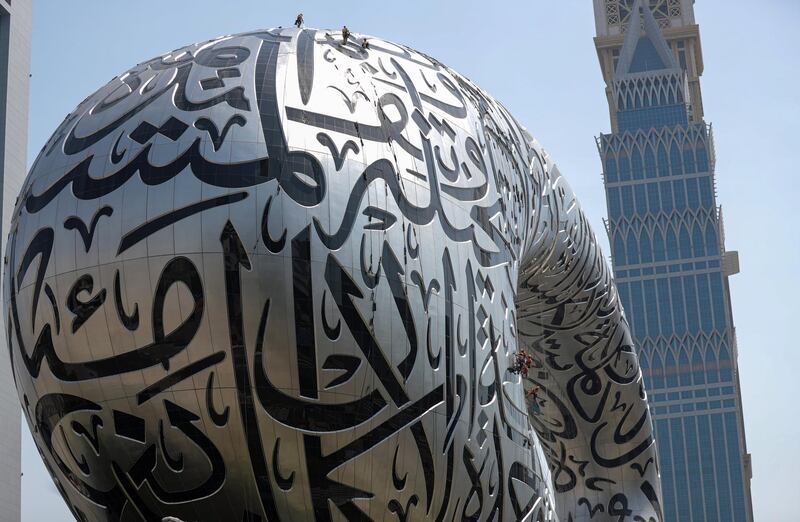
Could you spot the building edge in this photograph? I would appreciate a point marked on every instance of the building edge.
(15, 57)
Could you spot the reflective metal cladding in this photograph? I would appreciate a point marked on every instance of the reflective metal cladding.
(277, 276)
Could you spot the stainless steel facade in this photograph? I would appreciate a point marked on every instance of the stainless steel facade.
(669, 256)
(15, 51)
(281, 276)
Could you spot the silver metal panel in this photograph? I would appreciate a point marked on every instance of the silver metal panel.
(277, 277)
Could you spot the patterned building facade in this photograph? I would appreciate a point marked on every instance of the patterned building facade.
(667, 242)
(280, 276)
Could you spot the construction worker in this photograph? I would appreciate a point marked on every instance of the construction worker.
(364, 44)
(345, 34)
(298, 22)
(522, 363)
(534, 395)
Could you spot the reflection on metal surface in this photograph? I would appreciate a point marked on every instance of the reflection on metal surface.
(285, 278)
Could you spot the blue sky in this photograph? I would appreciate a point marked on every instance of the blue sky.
(537, 57)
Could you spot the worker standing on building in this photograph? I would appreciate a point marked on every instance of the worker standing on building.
(345, 34)
(299, 20)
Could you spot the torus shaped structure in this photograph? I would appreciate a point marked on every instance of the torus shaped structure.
(277, 276)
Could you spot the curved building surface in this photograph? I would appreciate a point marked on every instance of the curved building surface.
(276, 276)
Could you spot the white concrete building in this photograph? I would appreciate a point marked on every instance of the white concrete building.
(15, 53)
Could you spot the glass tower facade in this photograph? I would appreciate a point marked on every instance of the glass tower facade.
(669, 259)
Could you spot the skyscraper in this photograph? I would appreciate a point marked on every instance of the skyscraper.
(15, 52)
(668, 253)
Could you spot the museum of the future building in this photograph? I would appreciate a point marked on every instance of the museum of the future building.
(283, 276)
